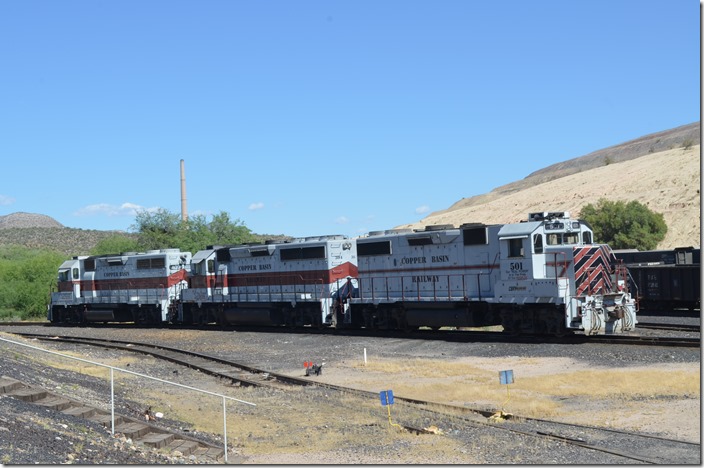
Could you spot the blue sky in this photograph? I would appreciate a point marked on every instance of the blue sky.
(323, 117)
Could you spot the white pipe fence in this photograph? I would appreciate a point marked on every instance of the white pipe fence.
(112, 386)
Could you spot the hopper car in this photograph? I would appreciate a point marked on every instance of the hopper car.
(664, 280)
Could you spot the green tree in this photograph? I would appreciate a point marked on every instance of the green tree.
(26, 276)
(162, 229)
(624, 225)
(116, 243)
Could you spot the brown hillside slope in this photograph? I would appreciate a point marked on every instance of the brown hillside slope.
(668, 182)
(679, 137)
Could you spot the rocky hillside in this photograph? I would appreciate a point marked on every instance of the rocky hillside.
(661, 170)
(68, 241)
(28, 220)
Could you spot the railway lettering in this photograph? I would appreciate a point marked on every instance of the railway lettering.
(248, 268)
(440, 258)
(426, 279)
(115, 274)
(265, 267)
(413, 260)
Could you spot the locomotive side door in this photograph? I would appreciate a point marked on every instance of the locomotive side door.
(515, 261)
(76, 280)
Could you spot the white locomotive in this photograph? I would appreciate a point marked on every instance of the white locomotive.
(291, 283)
(540, 276)
(132, 287)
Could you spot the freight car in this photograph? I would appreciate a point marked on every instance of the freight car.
(544, 275)
(664, 280)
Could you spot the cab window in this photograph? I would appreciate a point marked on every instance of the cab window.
(515, 248)
(554, 239)
(75, 273)
(587, 237)
(571, 238)
(537, 243)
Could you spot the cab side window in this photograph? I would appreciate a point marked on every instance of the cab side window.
(75, 273)
(537, 243)
(515, 248)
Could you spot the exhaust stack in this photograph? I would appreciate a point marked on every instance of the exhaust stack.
(184, 209)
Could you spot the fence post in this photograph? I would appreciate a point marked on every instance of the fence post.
(224, 427)
(112, 402)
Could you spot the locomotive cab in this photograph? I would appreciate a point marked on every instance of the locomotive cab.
(561, 280)
(68, 285)
(129, 287)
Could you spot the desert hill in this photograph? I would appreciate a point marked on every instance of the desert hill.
(28, 220)
(666, 181)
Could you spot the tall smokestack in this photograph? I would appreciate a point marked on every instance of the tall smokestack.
(184, 209)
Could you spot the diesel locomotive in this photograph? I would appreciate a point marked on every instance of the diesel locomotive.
(541, 276)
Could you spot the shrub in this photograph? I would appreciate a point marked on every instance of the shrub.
(624, 225)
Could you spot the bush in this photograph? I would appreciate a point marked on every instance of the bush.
(26, 276)
(163, 229)
(624, 225)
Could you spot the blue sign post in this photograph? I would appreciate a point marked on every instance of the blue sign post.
(505, 378)
(387, 399)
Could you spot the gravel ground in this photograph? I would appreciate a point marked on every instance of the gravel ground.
(301, 427)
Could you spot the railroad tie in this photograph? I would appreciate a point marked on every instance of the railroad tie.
(157, 440)
(80, 411)
(141, 433)
(29, 394)
(8, 384)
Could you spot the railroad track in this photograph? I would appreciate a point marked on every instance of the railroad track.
(655, 449)
(669, 326)
(647, 341)
(463, 336)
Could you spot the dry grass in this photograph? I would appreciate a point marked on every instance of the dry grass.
(540, 395)
(297, 423)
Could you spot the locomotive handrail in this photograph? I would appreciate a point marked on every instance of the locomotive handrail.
(292, 280)
(565, 263)
(371, 287)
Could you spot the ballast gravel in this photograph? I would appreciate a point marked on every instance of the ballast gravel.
(30, 434)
